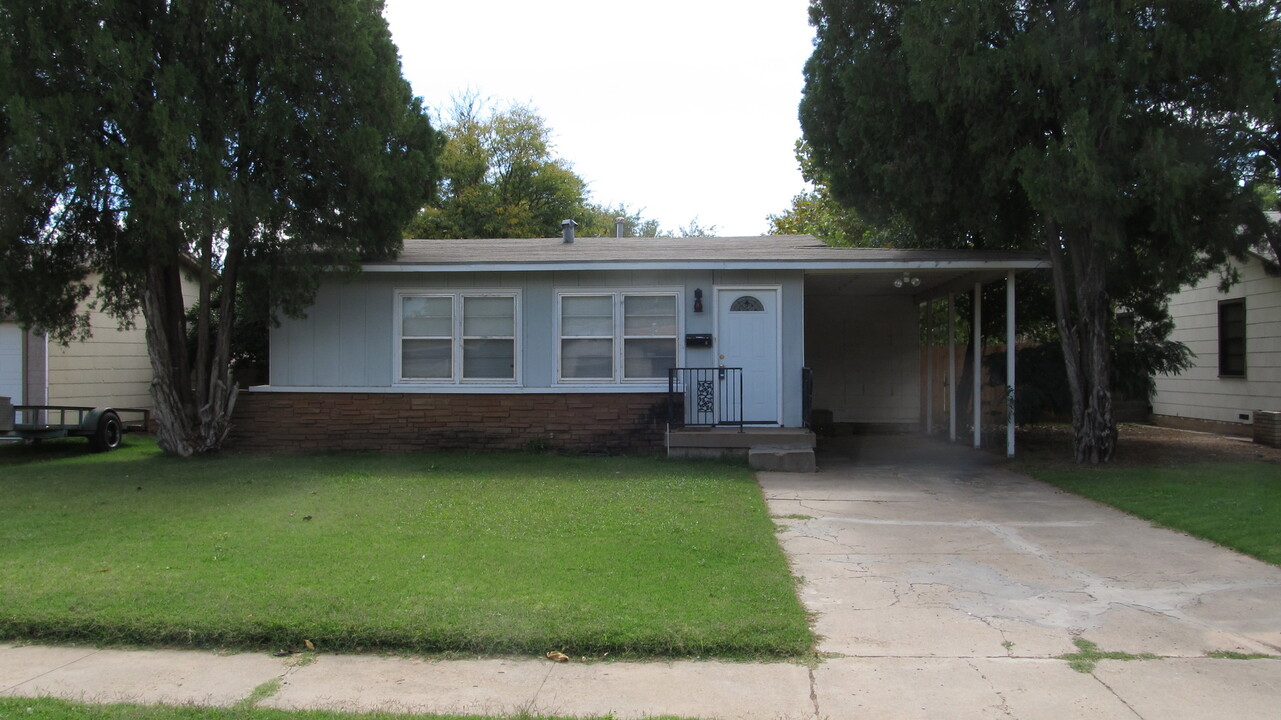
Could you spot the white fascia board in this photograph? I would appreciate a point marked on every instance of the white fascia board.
(425, 389)
(890, 266)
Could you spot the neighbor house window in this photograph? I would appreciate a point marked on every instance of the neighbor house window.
(457, 337)
(1232, 338)
(618, 336)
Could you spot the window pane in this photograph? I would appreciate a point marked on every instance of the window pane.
(648, 358)
(649, 315)
(426, 359)
(587, 316)
(1232, 339)
(427, 317)
(491, 359)
(587, 359)
(488, 316)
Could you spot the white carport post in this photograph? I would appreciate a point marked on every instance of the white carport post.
(976, 339)
(951, 366)
(1009, 363)
(929, 367)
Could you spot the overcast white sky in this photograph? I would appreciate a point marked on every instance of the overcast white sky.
(682, 109)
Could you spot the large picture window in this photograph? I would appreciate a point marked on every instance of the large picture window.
(610, 337)
(457, 337)
(1232, 338)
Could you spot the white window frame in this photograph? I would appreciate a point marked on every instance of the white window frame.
(456, 340)
(617, 296)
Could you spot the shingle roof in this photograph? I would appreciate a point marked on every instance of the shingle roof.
(791, 251)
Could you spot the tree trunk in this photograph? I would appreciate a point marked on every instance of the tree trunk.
(215, 414)
(171, 388)
(1083, 313)
(185, 425)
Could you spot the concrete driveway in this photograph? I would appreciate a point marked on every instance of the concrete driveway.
(944, 586)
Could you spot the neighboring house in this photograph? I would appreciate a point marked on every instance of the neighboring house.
(109, 368)
(540, 343)
(1236, 336)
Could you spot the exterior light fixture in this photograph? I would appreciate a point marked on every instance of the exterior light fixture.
(907, 281)
(698, 300)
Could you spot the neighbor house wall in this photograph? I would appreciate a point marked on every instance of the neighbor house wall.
(1199, 393)
(12, 365)
(111, 367)
(864, 355)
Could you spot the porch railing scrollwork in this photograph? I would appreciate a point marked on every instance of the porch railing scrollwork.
(704, 397)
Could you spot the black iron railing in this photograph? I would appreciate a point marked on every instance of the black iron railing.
(705, 397)
(807, 395)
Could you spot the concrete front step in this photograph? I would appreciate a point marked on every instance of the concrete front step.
(782, 459)
(779, 449)
(746, 439)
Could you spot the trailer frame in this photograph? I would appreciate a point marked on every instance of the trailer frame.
(104, 427)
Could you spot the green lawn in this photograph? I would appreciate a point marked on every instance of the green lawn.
(48, 709)
(453, 553)
(1237, 505)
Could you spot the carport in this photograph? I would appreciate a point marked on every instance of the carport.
(863, 332)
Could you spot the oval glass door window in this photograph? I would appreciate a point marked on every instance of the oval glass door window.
(747, 303)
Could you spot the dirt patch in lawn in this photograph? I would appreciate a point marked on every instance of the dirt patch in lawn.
(1051, 445)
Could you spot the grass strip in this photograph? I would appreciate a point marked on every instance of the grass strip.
(1237, 505)
(51, 709)
(436, 553)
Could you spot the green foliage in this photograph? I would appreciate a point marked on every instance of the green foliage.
(599, 221)
(1140, 350)
(492, 554)
(1123, 138)
(501, 178)
(815, 212)
(250, 335)
(266, 140)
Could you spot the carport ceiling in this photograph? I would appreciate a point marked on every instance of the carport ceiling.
(934, 283)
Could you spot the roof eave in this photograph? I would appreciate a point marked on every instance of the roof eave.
(830, 265)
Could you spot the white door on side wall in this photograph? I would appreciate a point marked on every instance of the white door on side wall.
(747, 336)
(11, 362)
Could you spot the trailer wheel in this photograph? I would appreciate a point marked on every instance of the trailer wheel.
(109, 433)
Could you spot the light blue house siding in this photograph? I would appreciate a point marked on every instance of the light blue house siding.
(348, 341)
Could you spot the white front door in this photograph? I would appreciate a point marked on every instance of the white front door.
(11, 362)
(747, 336)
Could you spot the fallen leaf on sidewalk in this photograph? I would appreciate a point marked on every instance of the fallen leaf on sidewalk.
(557, 656)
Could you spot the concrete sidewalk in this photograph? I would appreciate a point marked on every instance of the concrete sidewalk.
(941, 588)
(361, 683)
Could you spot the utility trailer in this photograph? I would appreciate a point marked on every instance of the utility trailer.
(105, 427)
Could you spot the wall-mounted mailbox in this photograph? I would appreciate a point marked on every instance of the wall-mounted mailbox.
(698, 340)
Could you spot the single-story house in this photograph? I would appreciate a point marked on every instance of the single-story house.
(1236, 338)
(568, 343)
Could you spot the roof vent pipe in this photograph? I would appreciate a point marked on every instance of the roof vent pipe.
(567, 230)
(618, 226)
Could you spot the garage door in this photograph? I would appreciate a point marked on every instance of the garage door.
(11, 362)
